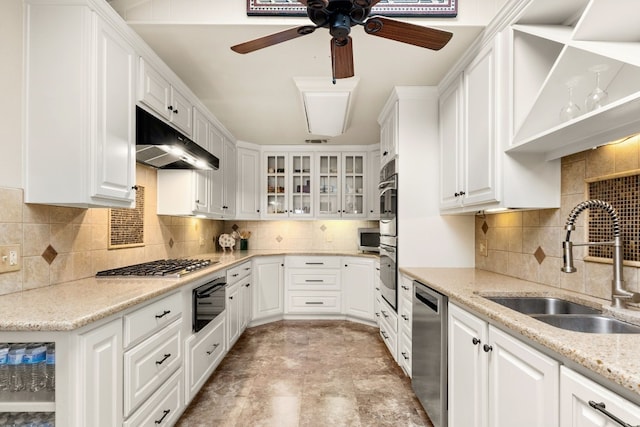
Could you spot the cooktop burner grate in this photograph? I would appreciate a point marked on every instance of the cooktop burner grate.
(161, 267)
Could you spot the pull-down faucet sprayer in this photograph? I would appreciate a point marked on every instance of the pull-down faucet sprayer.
(619, 296)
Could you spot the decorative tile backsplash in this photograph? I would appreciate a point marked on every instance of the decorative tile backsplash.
(623, 193)
(126, 226)
(528, 244)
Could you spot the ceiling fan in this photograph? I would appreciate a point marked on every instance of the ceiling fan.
(339, 16)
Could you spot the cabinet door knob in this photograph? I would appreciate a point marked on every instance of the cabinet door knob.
(231, 297)
(175, 111)
(487, 348)
(385, 153)
(197, 201)
(170, 108)
(258, 210)
(135, 187)
(475, 341)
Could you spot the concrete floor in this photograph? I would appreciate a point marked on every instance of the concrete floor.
(307, 373)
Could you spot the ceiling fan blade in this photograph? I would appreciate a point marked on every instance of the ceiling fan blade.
(416, 35)
(342, 59)
(272, 39)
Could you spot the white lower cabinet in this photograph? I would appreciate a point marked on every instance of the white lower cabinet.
(405, 318)
(578, 394)
(234, 312)
(389, 327)
(99, 398)
(357, 283)
(313, 285)
(268, 289)
(204, 351)
(164, 407)
(495, 379)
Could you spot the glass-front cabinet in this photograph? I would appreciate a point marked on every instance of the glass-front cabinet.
(301, 200)
(275, 204)
(353, 200)
(328, 185)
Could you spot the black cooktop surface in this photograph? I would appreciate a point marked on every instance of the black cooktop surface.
(161, 267)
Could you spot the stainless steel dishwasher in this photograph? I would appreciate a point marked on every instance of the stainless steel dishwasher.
(429, 352)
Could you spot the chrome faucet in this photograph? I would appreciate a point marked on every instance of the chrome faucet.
(619, 296)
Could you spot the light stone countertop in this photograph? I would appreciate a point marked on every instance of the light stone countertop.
(614, 358)
(71, 305)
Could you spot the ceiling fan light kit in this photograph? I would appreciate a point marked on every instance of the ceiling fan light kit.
(339, 16)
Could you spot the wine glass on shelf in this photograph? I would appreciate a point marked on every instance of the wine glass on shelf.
(598, 96)
(570, 110)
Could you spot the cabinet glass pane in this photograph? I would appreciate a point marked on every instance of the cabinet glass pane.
(275, 204)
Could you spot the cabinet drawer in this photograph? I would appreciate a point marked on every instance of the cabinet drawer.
(389, 337)
(203, 354)
(149, 364)
(238, 272)
(405, 290)
(388, 316)
(404, 352)
(150, 318)
(404, 318)
(163, 408)
(312, 279)
(313, 262)
(316, 302)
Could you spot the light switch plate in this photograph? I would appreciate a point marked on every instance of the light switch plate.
(10, 258)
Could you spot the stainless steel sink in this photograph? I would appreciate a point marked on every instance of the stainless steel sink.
(543, 305)
(593, 324)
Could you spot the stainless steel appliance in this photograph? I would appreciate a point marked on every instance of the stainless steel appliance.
(388, 233)
(388, 188)
(208, 302)
(389, 270)
(369, 239)
(429, 352)
(161, 267)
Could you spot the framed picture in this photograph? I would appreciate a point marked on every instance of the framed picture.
(406, 8)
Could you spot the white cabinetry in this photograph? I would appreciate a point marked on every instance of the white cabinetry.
(579, 395)
(248, 182)
(268, 288)
(373, 178)
(389, 134)
(313, 285)
(405, 319)
(223, 185)
(79, 107)
(100, 381)
(560, 44)
(476, 174)
(204, 351)
(389, 327)
(183, 192)
(497, 380)
(238, 283)
(342, 181)
(156, 92)
(358, 287)
(288, 184)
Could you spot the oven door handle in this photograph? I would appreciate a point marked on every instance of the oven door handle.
(211, 289)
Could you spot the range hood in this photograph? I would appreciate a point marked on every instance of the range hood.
(163, 147)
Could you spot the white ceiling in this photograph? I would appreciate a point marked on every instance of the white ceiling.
(254, 95)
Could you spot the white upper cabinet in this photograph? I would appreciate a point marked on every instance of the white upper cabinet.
(248, 182)
(159, 94)
(79, 108)
(389, 135)
(558, 48)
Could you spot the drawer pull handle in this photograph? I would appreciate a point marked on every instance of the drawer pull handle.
(314, 302)
(384, 313)
(377, 314)
(314, 280)
(166, 356)
(235, 275)
(406, 288)
(475, 341)
(601, 408)
(164, 414)
(164, 313)
(314, 263)
(247, 268)
(247, 285)
(405, 317)
(384, 334)
(214, 348)
(404, 354)
(487, 348)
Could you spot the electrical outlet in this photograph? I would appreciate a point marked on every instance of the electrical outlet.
(482, 248)
(10, 258)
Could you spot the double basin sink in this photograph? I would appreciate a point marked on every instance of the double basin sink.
(566, 315)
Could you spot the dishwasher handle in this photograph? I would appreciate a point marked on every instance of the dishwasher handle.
(429, 300)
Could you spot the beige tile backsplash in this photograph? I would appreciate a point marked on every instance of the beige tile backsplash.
(80, 237)
(513, 237)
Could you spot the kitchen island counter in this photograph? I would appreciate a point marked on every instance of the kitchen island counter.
(614, 358)
(71, 305)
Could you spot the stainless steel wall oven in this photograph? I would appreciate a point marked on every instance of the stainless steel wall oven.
(388, 271)
(208, 301)
(389, 233)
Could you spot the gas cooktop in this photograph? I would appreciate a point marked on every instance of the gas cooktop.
(159, 268)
